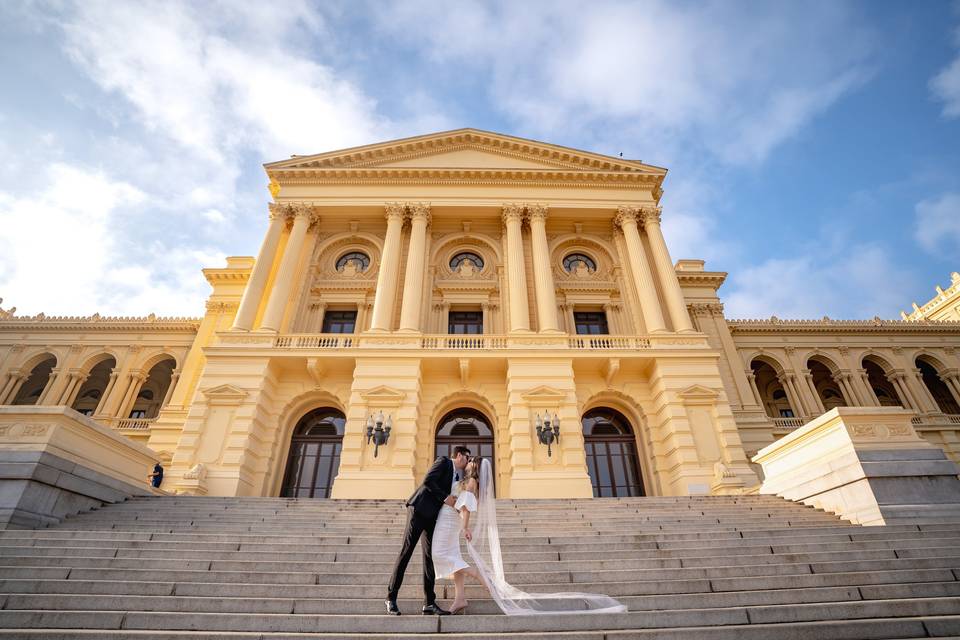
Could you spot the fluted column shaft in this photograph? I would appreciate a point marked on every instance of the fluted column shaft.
(649, 304)
(387, 278)
(286, 274)
(516, 276)
(410, 310)
(257, 284)
(668, 275)
(542, 274)
(51, 383)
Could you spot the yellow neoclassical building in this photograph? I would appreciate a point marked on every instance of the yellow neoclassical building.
(472, 287)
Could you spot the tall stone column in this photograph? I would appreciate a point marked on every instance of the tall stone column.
(849, 395)
(15, 380)
(52, 381)
(137, 378)
(788, 382)
(921, 391)
(952, 380)
(174, 378)
(870, 398)
(256, 286)
(78, 377)
(898, 382)
(752, 379)
(286, 274)
(387, 278)
(808, 379)
(626, 219)
(111, 383)
(542, 274)
(516, 276)
(410, 309)
(668, 275)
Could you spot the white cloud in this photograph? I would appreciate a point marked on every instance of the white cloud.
(737, 79)
(821, 280)
(215, 85)
(60, 252)
(937, 227)
(946, 84)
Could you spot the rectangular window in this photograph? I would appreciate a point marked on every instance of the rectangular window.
(138, 413)
(591, 323)
(786, 413)
(339, 321)
(465, 322)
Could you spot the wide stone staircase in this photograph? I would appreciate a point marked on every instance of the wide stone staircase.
(746, 567)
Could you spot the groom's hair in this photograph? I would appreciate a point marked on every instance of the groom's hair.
(461, 449)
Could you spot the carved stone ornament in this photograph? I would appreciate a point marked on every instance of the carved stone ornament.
(512, 212)
(626, 215)
(419, 210)
(197, 472)
(395, 210)
(538, 211)
(651, 215)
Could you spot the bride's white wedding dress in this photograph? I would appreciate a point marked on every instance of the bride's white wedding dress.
(447, 558)
(484, 550)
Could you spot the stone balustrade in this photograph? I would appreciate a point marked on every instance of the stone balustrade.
(457, 342)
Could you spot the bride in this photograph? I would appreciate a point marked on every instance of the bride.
(475, 495)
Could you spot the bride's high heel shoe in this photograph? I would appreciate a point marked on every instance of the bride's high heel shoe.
(459, 611)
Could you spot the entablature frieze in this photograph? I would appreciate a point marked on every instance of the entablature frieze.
(775, 325)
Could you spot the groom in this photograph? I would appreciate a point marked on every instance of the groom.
(423, 507)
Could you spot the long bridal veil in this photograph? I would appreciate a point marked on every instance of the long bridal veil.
(485, 552)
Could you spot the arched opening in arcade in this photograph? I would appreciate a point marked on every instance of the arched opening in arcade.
(883, 388)
(826, 387)
(773, 397)
(611, 450)
(937, 386)
(90, 396)
(314, 457)
(33, 388)
(470, 428)
(155, 391)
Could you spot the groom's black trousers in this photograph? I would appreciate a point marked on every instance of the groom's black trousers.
(420, 527)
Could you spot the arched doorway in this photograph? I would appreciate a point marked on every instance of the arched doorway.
(470, 428)
(611, 452)
(36, 383)
(314, 456)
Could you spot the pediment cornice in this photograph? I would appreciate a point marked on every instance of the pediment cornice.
(517, 160)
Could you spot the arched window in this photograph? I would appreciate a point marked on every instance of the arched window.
(36, 382)
(458, 259)
(611, 452)
(571, 262)
(314, 457)
(361, 260)
(467, 427)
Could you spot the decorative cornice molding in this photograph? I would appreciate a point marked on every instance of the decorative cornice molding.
(876, 325)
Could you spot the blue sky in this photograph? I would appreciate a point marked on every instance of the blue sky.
(813, 147)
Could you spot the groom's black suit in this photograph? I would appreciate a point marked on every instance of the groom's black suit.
(422, 510)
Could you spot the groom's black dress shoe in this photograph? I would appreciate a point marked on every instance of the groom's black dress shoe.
(392, 607)
(434, 610)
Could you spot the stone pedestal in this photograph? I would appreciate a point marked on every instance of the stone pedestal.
(866, 464)
(55, 462)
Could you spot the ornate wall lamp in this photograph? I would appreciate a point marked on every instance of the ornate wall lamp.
(380, 433)
(544, 434)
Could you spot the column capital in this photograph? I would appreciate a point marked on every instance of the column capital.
(277, 210)
(650, 215)
(420, 211)
(626, 215)
(537, 212)
(395, 211)
(512, 212)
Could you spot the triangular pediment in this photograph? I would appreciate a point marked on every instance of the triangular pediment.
(383, 396)
(470, 149)
(224, 393)
(544, 395)
(699, 393)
